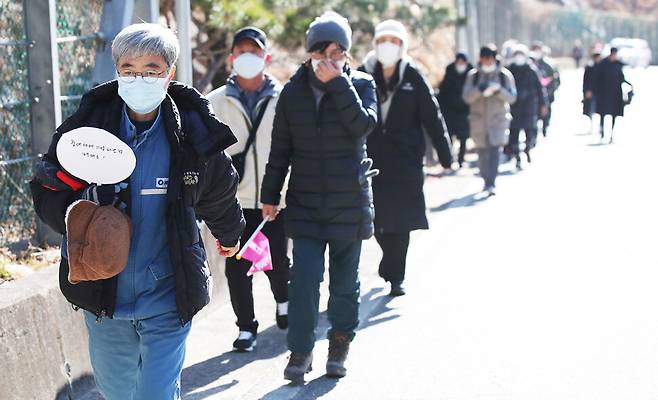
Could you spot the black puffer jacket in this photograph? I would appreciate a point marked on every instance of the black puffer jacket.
(530, 96)
(197, 140)
(329, 196)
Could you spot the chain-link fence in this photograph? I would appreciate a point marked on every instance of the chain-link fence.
(77, 24)
(558, 27)
(17, 219)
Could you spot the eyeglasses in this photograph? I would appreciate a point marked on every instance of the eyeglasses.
(334, 55)
(148, 76)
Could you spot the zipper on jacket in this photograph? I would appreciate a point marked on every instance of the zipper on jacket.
(323, 167)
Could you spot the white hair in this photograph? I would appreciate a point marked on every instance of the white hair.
(146, 39)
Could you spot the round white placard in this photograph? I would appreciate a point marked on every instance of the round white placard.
(95, 155)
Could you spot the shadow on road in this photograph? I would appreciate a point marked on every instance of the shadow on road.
(469, 200)
(272, 344)
(76, 388)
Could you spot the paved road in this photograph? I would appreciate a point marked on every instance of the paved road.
(545, 291)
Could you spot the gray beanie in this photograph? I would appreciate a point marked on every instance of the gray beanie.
(329, 27)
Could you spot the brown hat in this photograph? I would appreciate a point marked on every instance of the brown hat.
(98, 241)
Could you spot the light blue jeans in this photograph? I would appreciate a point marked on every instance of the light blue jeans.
(137, 359)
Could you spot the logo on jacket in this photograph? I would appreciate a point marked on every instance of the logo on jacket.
(191, 178)
(161, 183)
(407, 86)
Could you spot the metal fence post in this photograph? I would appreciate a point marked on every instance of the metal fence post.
(146, 11)
(43, 82)
(117, 14)
(183, 21)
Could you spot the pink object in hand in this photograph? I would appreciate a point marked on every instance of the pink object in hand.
(258, 252)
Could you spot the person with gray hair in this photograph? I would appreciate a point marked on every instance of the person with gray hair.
(138, 320)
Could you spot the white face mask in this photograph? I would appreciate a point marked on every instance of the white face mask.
(388, 53)
(315, 63)
(143, 97)
(487, 69)
(461, 68)
(248, 65)
(536, 55)
(520, 59)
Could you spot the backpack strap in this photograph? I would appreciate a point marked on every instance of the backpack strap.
(255, 125)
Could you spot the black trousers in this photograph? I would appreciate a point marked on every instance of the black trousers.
(462, 149)
(530, 139)
(394, 260)
(602, 125)
(546, 120)
(240, 285)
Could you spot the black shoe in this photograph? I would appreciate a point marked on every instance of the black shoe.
(282, 315)
(245, 342)
(527, 154)
(298, 365)
(397, 289)
(339, 346)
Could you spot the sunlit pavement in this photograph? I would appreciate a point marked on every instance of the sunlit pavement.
(545, 291)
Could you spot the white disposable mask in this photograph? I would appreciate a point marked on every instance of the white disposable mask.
(315, 63)
(461, 68)
(143, 97)
(388, 53)
(536, 55)
(248, 65)
(520, 60)
(487, 69)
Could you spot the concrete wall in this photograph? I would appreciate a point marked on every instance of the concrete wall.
(43, 341)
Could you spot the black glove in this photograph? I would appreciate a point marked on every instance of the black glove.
(483, 86)
(105, 195)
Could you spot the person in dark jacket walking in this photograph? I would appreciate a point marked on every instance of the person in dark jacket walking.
(589, 101)
(453, 107)
(323, 117)
(407, 110)
(138, 321)
(531, 102)
(550, 78)
(247, 104)
(607, 82)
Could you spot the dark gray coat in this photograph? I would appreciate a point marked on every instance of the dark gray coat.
(530, 96)
(608, 77)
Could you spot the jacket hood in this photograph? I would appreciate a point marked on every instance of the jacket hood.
(198, 123)
(272, 87)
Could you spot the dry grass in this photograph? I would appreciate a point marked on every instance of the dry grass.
(30, 259)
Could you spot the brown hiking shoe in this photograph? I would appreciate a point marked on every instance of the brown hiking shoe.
(339, 346)
(298, 365)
